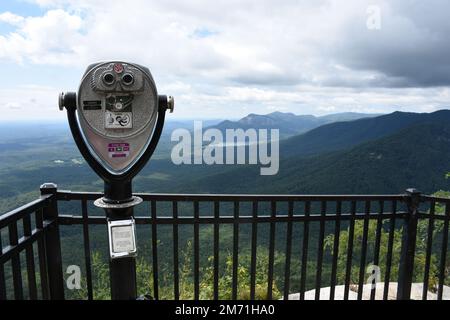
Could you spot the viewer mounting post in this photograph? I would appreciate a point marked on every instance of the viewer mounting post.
(116, 120)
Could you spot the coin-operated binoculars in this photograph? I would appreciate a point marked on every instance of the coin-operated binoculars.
(116, 120)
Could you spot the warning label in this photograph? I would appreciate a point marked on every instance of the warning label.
(118, 120)
(118, 150)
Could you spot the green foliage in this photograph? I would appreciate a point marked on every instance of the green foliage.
(100, 281)
(357, 248)
(144, 274)
(420, 260)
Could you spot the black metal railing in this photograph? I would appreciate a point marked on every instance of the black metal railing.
(39, 238)
(316, 247)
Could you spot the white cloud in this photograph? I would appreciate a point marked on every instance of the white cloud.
(222, 57)
(11, 18)
(48, 39)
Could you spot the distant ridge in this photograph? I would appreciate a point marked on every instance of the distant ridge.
(288, 123)
(340, 135)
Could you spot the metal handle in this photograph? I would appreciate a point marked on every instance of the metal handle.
(170, 103)
(67, 99)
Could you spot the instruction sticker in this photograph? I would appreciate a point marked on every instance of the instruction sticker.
(122, 239)
(118, 120)
(118, 150)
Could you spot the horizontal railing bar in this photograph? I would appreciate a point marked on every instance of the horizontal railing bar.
(23, 242)
(251, 197)
(19, 213)
(69, 195)
(426, 198)
(434, 217)
(69, 219)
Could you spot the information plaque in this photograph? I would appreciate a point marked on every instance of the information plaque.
(122, 238)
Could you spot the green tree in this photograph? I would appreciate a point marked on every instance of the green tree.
(144, 274)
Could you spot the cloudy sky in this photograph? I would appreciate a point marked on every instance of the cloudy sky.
(228, 58)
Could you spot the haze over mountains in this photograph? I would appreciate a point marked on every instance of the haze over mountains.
(381, 154)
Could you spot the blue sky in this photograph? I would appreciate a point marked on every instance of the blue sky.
(21, 7)
(231, 58)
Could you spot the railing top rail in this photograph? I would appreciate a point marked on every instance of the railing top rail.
(434, 198)
(69, 195)
(20, 212)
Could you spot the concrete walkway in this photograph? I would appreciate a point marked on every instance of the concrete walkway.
(416, 292)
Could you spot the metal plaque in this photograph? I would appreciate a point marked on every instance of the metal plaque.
(122, 238)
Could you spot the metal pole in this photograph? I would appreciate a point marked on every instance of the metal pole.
(53, 244)
(406, 267)
(123, 270)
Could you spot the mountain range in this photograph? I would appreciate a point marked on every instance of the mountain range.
(340, 135)
(289, 124)
(385, 154)
(418, 156)
(382, 154)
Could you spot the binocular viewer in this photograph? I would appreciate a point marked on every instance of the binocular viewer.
(116, 119)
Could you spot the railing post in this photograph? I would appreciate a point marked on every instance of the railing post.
(53, 244)
(406, 268)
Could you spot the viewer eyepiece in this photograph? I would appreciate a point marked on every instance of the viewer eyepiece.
(127, 79)
(108, 78)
